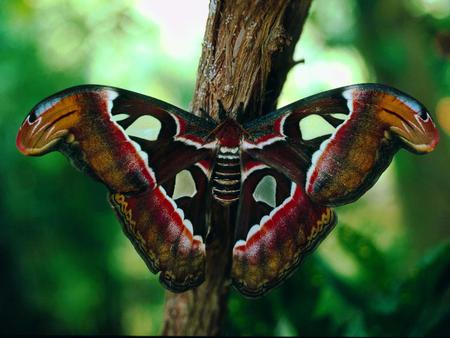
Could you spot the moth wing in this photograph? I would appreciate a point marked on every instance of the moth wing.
(277, 226)
(362, 127)
(128, 141)
(167, 226)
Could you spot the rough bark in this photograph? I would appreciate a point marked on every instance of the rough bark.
(247, 53)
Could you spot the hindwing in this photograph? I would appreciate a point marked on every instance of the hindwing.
(277, 226)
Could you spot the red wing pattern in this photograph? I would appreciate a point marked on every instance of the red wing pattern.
(277, 226)
(161, 225)
(137, 146)
(369, 123)
(163, 166)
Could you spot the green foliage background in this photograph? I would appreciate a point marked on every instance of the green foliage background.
(66, 267)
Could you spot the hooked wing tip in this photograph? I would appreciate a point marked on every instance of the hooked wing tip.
(406, 117)
(38, 137)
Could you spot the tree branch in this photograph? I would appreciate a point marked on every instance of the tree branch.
(247, 53)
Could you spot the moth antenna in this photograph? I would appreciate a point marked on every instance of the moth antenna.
(240, 112)
(222, 111)
(204, 112)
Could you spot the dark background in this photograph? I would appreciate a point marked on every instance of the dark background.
(66, 267)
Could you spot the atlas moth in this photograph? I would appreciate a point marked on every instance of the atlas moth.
(165, 167)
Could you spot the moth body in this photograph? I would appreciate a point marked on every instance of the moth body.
(226, 175)
(226, 178)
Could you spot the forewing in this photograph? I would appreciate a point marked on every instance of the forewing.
(343, 139)
(277, 226)
(128, 141)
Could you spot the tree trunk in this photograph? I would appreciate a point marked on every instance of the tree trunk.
(247, 53)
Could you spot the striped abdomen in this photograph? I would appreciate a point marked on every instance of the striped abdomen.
(226, 178)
